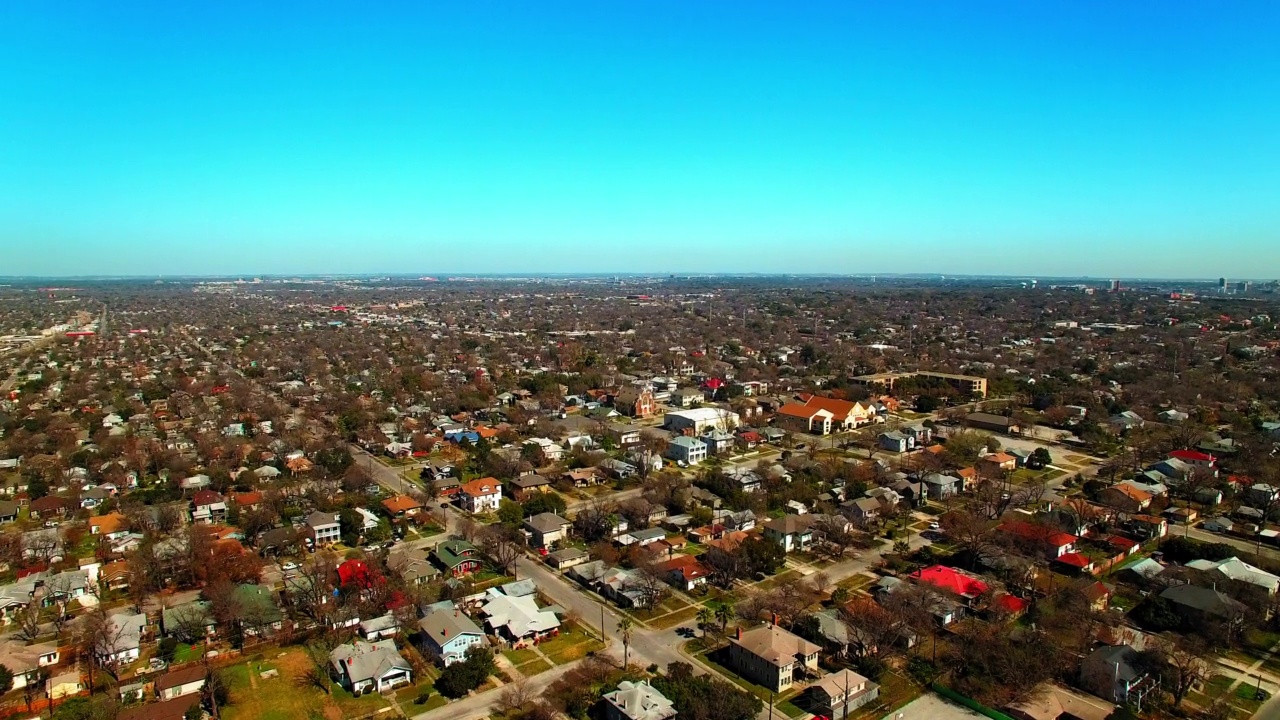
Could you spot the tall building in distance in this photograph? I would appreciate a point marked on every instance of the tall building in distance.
(1115, 286)
(1222, 286)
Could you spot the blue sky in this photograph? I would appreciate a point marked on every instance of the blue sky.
(1128, 139)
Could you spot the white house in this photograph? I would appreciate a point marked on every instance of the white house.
(363, 666)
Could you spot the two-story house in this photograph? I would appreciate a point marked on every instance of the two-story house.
(772, 657)
(479, 496)
(323, 528)
(446, 635)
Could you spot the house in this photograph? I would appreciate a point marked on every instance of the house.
(478, 496)
(379, 628)
(1173, 416)
(413, 565)
(1218, 525)
(1198, 604)
(517, 619)
(1112, 673)
(323, 528)
(939, 487)
(1126, 420)
(190, 619)
(583, 477)
(1051, 701)
(210, 508)
(25, 661)
(124, 640)
(258, 613)
(49, 506)
(951, 581)
(792, 532)
(363, 666)
(837, 694)
(446, 635)
(718, 442)
(689, 450)
(547, 529)
(567, 558)
(458, 557)
(402, 506)
(1125, 498)
(527, 486)
(638, 403)
(748, 481)
(641, 537)
(994, 423)
(112, 526)
(637, 701)
(684, 572)
(1234, 568)
(1046, 539)
(8, 511)
(999, 461)
(186, 681)
(772, 657)
(895, 441)
(619, 469)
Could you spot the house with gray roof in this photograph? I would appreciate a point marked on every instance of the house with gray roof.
(546, 529)
(448, 634)
(363, 666)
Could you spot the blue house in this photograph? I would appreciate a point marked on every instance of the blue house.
(448, 634)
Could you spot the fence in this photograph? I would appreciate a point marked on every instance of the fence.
(973, 705)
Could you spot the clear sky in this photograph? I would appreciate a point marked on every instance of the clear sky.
(1076, 137)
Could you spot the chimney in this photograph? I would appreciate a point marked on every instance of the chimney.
(739, 632)
(775, 619)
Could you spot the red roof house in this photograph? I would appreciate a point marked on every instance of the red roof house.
(952, 580)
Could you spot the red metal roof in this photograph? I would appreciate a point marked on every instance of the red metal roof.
(951, 580)
(1075, 560)
(1193, 456)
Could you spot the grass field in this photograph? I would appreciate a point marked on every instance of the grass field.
(569, 646)
(286, 697)
(533, 668)
(520, 657)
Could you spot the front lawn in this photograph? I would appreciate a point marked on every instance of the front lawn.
(569, 645)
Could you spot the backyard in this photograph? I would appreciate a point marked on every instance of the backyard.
(286, 694)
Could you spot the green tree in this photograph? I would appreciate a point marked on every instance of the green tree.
(705, 617)
(350, 523)
(544, 502)
(6, 679)
(510, 513)
(725, 614)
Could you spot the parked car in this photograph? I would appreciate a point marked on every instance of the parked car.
(289, 566)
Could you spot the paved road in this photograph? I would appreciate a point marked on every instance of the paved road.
(383, 475)
(1245, 546)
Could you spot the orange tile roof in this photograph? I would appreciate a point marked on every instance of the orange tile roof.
(401, 503)
(797, 410)
(107, 524)
(1132, 492)
(483, 486)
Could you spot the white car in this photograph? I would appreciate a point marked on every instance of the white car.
(934, 526)
(289, 566)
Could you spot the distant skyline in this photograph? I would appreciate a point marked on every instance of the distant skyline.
(977, 138)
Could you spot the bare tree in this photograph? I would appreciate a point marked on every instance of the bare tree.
(27, 619)
(103, 641)
(517, 696)
(500, 545)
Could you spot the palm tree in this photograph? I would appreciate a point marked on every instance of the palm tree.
(705, 617)
(624, 627)
(725, 614)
